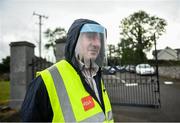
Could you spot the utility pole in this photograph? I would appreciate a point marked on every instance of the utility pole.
(157, 70)
(40, 24)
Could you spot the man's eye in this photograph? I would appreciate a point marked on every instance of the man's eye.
(90, 36)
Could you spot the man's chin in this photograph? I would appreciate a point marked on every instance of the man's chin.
(93, 57)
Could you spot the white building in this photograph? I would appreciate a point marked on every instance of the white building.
(168, 54)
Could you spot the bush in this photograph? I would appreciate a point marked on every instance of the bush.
(164, 62)
(4, 77)
(5, 65)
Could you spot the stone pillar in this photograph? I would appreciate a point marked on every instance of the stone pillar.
(60, 47)
(20, 71)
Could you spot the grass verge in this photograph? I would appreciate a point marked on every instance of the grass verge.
(4, 92)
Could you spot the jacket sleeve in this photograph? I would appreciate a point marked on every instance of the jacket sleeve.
(36, 106)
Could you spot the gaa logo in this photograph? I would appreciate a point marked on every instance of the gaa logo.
(87, 103)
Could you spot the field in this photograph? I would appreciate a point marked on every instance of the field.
(4, 92)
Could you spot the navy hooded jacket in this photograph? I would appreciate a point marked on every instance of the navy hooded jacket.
(36, 106)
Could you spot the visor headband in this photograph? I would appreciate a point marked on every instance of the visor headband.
(92, 28)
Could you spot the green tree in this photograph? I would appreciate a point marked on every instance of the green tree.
(5, 65)
(126, 52)
(138, 31)
(113, 55)
(53, 35)
(111, 50)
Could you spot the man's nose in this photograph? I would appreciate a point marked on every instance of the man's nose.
(96, 42)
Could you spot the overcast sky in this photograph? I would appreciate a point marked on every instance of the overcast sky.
(17, 22)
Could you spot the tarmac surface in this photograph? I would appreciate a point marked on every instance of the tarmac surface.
(168, 112)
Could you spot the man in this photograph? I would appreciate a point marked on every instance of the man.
(72, 90)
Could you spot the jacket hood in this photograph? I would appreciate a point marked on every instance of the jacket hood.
(72, 37)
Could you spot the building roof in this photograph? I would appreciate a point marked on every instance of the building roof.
(158, 51)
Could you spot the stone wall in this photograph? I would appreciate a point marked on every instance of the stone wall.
(171, 71)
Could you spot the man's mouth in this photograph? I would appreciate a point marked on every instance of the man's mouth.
(93, 50)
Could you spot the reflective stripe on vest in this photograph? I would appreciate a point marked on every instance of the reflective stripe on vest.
(99, 116)
(110, 116)
(62, 95)
(57, 91)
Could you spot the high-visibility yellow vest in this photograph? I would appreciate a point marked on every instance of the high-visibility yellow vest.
(69, 100)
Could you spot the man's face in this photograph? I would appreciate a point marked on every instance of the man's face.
(90, 45)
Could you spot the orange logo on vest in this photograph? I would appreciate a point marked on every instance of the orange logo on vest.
(87, 102)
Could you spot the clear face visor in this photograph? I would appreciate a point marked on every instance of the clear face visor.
(91, 46)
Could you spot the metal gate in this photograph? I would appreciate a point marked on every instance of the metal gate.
(126, 87)
(39, 64)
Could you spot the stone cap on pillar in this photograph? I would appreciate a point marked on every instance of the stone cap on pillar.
(22, 43)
